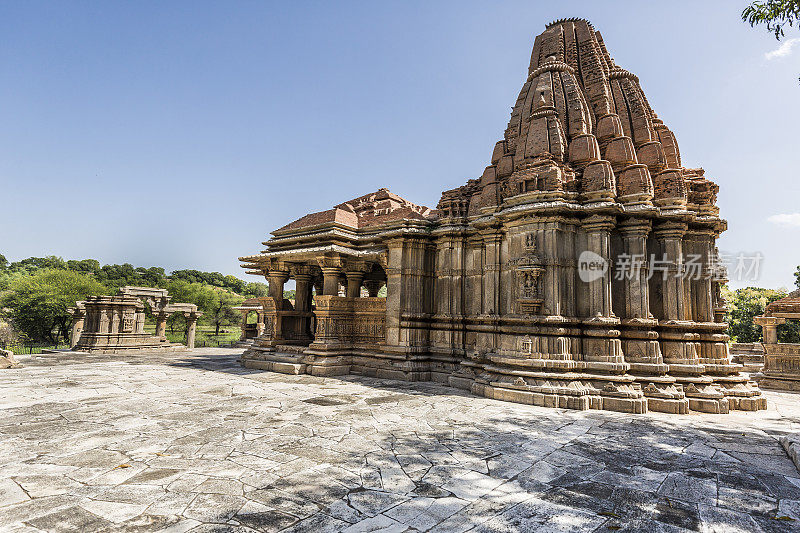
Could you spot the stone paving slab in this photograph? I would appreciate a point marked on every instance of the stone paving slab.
(194, 442)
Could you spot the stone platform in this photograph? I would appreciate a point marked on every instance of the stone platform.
(195, 442)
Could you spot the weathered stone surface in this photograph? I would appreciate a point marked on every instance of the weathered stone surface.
(7, 360)
(791, 443)
(230, 449)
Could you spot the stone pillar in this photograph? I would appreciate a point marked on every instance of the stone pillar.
(373, 287)
(330, 281)
(191, 327)
(78, 317)
(318, 286)
(598, 240)
(245, 312)
(637, 296)
(769, 328)
(302, 302)
(260, 325)
(161, 325)
(277, 278)
(639, 338)
(354, 279)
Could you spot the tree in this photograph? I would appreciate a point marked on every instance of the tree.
(774, 13)
(3, 262)
(797, 277)
(221, 312)
(745, 304)
(38, 303)
(32, 264)
(215, 303)
(90, 266)
(255, 290)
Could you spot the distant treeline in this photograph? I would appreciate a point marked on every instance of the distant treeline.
(35, 294)
(114, 276)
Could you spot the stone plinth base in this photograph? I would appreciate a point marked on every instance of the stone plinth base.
(781, 368)
(787, 383)
(533, 381)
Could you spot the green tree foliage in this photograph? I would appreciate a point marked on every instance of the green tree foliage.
(222, 312)
(797, 277)
(215, 303)
(3, 262)
(774, 13)
(745, 304)
(38, 303)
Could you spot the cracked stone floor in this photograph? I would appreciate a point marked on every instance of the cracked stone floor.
(193, 442)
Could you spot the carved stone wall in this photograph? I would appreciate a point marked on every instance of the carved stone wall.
(343, 321)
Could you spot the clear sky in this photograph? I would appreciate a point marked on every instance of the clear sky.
(179, 134)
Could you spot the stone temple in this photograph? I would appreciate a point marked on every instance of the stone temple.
(509, 288)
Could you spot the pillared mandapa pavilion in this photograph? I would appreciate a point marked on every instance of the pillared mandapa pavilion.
(486, 292)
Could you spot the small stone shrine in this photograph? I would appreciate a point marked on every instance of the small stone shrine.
(115, 324)
(487, 293)
(781, 360)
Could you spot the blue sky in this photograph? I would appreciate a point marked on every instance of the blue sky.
(180, 134)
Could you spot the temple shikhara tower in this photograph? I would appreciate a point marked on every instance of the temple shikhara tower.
(577, 271)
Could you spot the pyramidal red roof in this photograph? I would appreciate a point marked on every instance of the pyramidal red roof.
(371, 209)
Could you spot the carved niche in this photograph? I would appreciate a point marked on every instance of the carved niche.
(528, 270)
(128, 321)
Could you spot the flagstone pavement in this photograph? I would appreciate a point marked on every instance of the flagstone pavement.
(193, 442)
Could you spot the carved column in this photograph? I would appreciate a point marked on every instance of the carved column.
(769, 328)
(191, 328)
(598, 240)
(318, 285)
(245, 312)
(260, 325)
(355, 272)
(161, 325)
(331, 270)
(302, 279)
(302, 300)
(330, 281)
(680, 348)
(277, 279)
(639, 338)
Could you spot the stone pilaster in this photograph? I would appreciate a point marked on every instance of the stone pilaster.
(598, 240)
(635, 287)
(670, 271)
